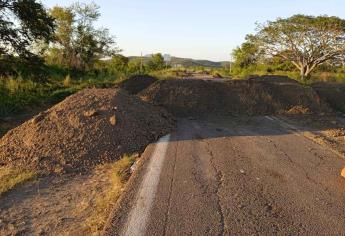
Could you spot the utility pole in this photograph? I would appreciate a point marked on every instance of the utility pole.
(230, 66)
(141, 63)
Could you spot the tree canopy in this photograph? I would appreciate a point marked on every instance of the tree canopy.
(247, 54)
(305, 41)
(23, 22)
(156, 62)
(78, 43)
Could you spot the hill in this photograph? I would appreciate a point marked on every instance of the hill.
(188, 62)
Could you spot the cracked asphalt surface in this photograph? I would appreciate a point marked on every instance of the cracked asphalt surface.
(245, 176)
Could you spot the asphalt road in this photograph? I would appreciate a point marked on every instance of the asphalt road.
(233, 177)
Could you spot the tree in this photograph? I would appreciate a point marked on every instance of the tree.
(119, 63)
(305, 41)
(246, 55)
(156, 62)
(62, 53)
(22, 22)
(78, 42)
(135, 66)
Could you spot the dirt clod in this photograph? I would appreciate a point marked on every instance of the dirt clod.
(113, 120)
(90, 113)
(64, 138)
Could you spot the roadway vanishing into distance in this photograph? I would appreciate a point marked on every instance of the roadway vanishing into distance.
(225, 176)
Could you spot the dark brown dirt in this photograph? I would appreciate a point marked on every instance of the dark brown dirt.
(91, 127)
(137, 83)
(199, 97)
(332, 93)
(273, 79)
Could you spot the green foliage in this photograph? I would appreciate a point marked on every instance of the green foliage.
(156, 62)
(305, 41)
(246, 55)
(23, 22)
(135, 66)
(79, 44)
(118, 63)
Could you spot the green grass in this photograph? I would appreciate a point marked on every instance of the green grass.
(12, 177)
(17, 94)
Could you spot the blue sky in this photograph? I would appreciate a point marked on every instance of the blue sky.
(197, 29)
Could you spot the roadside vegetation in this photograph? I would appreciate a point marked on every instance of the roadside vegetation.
(57, 54)
(118, 174)
(303, 47)
(12, 177)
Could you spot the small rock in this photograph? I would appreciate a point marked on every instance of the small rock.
(37, 118)
(90, 113)
(343, 173)
(112, 120)
(11, 227)
(242, 171)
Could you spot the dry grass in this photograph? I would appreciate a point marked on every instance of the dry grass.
(11, 177)
(118, 175)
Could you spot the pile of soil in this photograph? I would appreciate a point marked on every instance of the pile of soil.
(251, 97)
(273, 79)
(91, 127)
(332, 93)
(137, 83)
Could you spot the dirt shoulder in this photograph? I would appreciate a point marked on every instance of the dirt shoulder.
(328, 130)
(74, 204)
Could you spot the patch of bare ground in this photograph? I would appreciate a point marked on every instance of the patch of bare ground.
(70, 204)
(327, 129)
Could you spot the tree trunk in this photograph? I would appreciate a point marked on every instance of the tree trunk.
(303, 73)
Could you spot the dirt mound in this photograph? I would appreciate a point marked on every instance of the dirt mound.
(193, 97)
(137, 83)
(91, 127)
(273, 79)
(332, 93)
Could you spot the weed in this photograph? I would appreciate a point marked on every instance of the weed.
(119, 173)
(12, 177)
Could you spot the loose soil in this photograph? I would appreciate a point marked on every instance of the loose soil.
(332, 93)
(91, 127)
(137, 83)
(248, 97)
(328, 129)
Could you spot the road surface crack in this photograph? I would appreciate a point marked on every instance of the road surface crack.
(219, 183)
(166, 218)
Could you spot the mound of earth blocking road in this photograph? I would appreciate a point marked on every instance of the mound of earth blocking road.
(332, 93)
(91, 127)
(250, 97)
(137, 83)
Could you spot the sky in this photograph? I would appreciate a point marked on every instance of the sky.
(199, 29)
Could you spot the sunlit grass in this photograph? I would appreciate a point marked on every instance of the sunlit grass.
(119, 173)
(12, 177)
